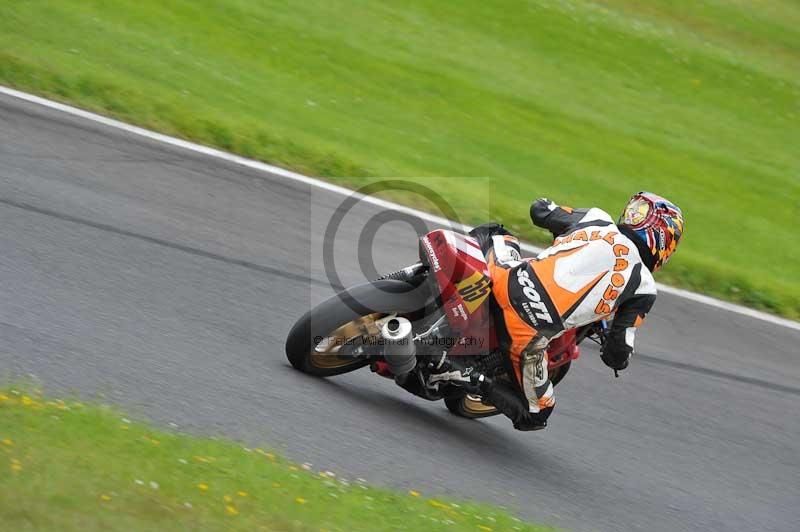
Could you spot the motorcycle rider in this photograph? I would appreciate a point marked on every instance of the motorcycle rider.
(595, 269)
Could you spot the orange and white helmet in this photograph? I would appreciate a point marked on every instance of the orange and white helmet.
(657, 222)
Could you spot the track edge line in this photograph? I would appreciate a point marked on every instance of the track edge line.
(294, 176)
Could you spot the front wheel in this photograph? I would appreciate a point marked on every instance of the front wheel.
(470, 406)
(320, 342)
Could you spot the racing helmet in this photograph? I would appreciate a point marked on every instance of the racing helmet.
(657, 222)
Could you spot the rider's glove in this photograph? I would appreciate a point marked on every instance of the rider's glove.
(484, 232)
(616, 359)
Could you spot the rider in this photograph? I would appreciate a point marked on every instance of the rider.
(593, 270)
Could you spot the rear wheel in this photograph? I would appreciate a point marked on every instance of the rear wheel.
(470, 406)
(321, 342)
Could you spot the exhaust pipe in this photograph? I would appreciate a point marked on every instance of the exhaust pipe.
(399, 349)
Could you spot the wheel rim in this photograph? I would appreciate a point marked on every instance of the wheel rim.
(326, 354)
(472, 404)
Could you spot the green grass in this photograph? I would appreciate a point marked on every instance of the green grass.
(585, 102)
(67, 465)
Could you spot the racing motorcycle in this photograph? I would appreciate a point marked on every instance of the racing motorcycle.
(406, 324)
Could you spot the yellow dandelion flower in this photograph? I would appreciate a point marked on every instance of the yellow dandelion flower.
(3, 397)
(485, 528)
(300, 500)
(227, 498)
(26, 401)
(16, 467)
(105, 498)
(124, 427)
(202, 486)
(413, 493)
(231, 510)
(241, 493)
(7, 441)
(199, 459)
(276, 485)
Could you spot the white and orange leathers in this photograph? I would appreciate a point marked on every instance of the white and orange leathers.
(591, 272)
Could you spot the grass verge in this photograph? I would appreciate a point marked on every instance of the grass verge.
(581, 101)
(67, 465)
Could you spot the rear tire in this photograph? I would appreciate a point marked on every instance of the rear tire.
(361, 302)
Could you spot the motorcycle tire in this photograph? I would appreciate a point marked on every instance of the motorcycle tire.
(353, 309)
(470, 406)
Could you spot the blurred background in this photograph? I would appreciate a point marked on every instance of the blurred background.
(146, 290)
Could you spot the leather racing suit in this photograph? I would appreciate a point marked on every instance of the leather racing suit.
(593, 270)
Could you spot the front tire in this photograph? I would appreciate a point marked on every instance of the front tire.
(470, 406)
(347, 315)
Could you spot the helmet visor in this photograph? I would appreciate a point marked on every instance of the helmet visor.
(637, 212)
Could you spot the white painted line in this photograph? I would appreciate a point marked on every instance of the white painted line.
(286, 174)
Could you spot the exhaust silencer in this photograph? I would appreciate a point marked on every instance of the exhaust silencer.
(399, 349)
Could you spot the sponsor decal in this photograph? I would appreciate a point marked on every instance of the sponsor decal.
(432, 255)
(581, 235)
(612, 291)
(474, 290)
(459, 311)
(529, 312)
(534, 303)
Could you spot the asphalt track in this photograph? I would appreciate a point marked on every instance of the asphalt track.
(166, 281)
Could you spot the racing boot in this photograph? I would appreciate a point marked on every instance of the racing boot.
(503, 396)
(511, 403)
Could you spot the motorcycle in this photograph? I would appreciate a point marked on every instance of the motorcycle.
(407, 322)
